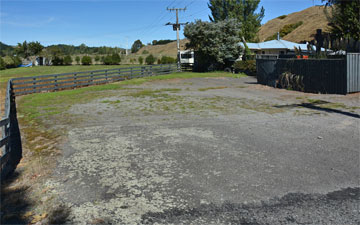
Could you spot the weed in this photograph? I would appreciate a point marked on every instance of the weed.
(212, 88)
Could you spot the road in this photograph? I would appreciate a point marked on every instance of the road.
(211, 151)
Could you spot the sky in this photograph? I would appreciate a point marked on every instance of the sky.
(116, 23)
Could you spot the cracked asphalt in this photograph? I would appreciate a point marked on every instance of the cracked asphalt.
(211, 151)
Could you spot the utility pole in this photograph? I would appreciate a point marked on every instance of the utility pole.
(176, 26)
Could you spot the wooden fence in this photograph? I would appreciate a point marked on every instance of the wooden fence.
(332, 76)
(11, 138)
(57, 82)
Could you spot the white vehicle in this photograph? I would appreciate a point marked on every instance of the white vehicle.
(187, 57)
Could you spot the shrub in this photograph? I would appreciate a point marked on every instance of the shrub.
(107, 60)
(115, 58)
(141, 60)
(77, 59)
(11, 62)
(2, 64)
(167, 60)
(282, 17)
(248, 67)
(290, 81)
(97, 58)
(68, 60)
(86, 60)
(17, 61)
(145, 52)
(159, 61)
(150, 59)
(57, 61)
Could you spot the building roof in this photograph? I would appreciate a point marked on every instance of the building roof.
(275, 44)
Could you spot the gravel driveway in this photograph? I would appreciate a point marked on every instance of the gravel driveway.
(211, 151)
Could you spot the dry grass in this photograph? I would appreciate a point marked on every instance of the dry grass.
(313, 18)
(162, 50)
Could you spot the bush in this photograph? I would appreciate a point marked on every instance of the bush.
(57, 61)
(141, 60)
(68, 60)
(290, 81)
(145, 52)
(282, 17)
(97, 58)
(2, 64)
(248, 67)
(115, 58)
(167, 60)
(86, 60)
(77, 59)
(12, 62)
(107, 60)
(150, 59)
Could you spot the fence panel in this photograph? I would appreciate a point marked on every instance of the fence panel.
(353, 72)
(319, 75)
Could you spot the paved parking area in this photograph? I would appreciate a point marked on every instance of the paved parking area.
(211, 151)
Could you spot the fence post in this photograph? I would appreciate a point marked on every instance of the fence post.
(55, 83)
(106, 75)
(75, 78)
(92, 77)
(34, 83)
(131, 73)
(13, 147)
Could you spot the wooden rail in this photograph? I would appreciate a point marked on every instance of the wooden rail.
(10, 143)
(57, 82)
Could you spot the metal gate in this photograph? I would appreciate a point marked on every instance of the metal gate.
(353, 72)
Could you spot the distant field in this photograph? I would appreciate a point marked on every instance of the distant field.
(43, 70)
(5, 75)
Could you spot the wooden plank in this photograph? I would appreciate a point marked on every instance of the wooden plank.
(4, 159)
(4, 141)
(4, 122)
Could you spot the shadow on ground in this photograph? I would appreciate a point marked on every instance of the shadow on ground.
(15, 204)
(315, 106)
(290, 209)
(14, 201)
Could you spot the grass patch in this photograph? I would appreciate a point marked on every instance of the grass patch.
(212, 88)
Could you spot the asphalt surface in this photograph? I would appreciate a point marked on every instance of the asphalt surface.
(211, 151)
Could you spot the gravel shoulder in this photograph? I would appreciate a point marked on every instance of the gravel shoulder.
(210, 151)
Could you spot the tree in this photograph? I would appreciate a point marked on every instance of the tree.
(344, 18)
(150, 59)
(77, 59)
(35, 48)
(244, 11)
(141, 60)
(214, 43)
(68, 60)
(136, 46)
(86, 60)
(115, 58)
(23, 49)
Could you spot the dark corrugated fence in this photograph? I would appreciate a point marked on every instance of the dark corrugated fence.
(318, 75)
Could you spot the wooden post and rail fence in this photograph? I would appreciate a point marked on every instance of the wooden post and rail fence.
(10, 143)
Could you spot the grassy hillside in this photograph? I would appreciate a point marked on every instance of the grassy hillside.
(160, 50)
(313, 18)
